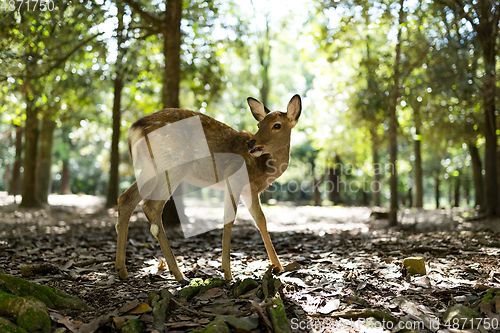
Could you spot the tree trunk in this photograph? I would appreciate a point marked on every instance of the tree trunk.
(450, 191)
(264, 51)
(114, 181)
(436, 185)
(376, 187)
(65, 188)
(316, 194)
(393, 124)
(487, 37)
(15, 183)
(29, 187)
(419, 187)
(334, 180)
(457, 192)
(171, 51)
(7, 175)
(45, 157)
(170, 93)
(477, 175)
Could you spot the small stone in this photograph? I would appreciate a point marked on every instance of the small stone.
(415, 266)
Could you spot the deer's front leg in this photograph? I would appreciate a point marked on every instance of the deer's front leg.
(255, 210)
(230, 207)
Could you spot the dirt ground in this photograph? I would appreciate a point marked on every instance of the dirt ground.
(343, 268)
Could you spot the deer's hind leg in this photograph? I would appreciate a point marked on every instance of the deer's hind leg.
(153, 210)
(230, 207)
(126, 206)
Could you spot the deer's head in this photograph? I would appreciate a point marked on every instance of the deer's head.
(274, 127)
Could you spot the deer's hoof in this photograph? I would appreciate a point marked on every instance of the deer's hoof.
(122, 274)
(184, 281)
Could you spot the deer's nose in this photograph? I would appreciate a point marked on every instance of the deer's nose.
(250, 143)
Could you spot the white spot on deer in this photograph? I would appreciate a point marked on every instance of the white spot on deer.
(155, 230)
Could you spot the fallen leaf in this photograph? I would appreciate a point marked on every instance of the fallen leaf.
(119, 321)
(212, 293)
(162, 264)
(129, 306)
(64, 320)
(293, 266)
(330, 306)
(140, 309)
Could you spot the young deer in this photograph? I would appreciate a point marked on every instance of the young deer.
(265, 155)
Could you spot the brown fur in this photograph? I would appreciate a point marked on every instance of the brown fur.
(264, 165)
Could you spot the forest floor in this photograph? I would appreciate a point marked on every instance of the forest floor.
(343, 268)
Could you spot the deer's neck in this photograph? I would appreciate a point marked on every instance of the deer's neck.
(277, 163)
(268, 168)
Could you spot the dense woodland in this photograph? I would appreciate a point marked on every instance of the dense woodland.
(398, 127)
(399, 103)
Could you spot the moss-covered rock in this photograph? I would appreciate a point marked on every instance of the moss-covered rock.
(26, 303)
(53, 298)
(29, 313)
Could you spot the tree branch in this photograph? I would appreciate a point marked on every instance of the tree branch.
(154, 20)
(424, 52)
(62, 60)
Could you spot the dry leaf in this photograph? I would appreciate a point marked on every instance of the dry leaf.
(141, 308)
(293, 266)
(119, 321)
(212, 293)
(330, 306)
(162, 264)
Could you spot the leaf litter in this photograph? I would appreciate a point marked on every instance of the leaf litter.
(343, 271)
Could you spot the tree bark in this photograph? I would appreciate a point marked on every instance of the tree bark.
(114, 181)
(45, 157)
(419, 187)
(65, 187)
(15, 183)
(264, 51)
(29, 186)
(490, 157)
(477, 175)
(316, 194)
(393, 124)
(436, 187)
(334, 180)
(377, 186)
(170, 94)
(456, 202)
(6, 179)
(171, 51)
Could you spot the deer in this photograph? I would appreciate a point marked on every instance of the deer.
(257, 161)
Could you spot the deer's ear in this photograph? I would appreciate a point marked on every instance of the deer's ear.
(258, 109)
(293, 109)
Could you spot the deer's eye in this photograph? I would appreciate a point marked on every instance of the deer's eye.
(277, 126)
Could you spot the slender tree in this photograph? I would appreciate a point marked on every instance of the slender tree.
(393, 122)
(118, 83)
